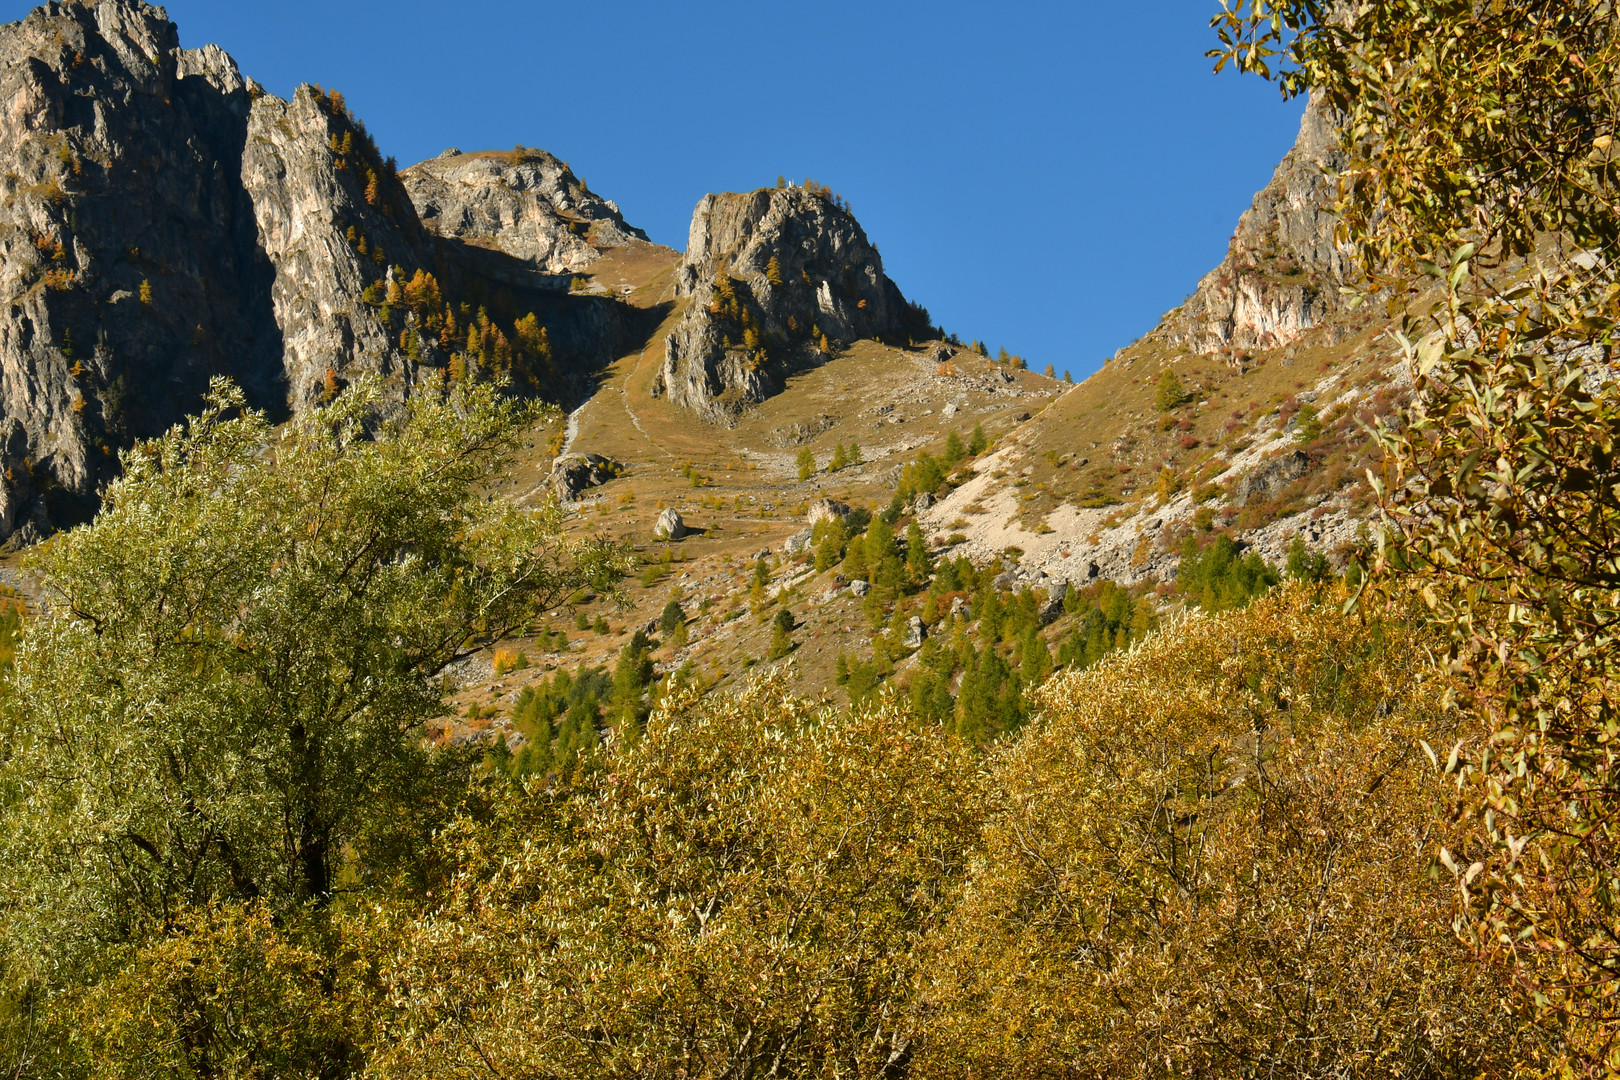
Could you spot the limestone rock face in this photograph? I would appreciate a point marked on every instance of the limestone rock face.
(1282, 270)
(523, 203)
(304, 205)
(129, 259)
(769, 274)
(163, 220)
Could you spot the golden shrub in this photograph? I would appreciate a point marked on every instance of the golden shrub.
(742, 892)
(1212, 857)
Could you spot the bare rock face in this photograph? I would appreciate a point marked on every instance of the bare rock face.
(770, 275)
(1282, 270)
(524, 203)
(306, 198)
(163, 220)
(128, 248)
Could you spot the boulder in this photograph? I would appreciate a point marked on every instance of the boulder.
(573, 473)
(796, 543)
(826, 510)
(916, 633)
(922, 502)
(670, 526)
(1052, 609)
(859, 587)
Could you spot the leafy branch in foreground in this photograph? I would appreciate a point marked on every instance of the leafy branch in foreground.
(1481, 194)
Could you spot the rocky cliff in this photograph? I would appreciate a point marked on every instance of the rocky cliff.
(1282, 269)
(777, 278)
(164, 220)
(524, 203)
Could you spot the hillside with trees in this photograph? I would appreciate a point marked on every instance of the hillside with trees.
(359, 745)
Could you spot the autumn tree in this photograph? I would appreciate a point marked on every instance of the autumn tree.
(1480, 187)
(1205, 858)
(1170, 393)
(746, 889)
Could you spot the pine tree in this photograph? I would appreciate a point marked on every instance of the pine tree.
(825, 346)
(672, 617)
(917, 558)
(840, 458)
(371, 188)
(782, 634)
(329, 385)
(954, 450)
(978, 443)
(773, 272)
(146, 292)
(1170, 392)
(807, 464)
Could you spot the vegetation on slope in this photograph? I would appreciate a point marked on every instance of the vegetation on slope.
(1321, 834)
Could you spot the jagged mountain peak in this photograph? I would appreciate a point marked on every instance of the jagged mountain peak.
(524, 202)
(1280, 277)
(777, 278)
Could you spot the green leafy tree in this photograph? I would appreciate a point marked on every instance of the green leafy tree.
(241, 652)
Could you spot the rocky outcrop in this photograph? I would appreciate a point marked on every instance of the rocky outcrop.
(524, 203)
(776, 279)
(164, 220)
(129, 263)
(1282, 270)
(573, 473)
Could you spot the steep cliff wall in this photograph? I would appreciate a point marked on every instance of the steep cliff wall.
(1282, 270)
(770, 275)
(164, 220)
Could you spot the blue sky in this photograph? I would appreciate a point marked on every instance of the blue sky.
(1047, 176)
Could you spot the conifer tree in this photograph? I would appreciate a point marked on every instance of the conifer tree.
(773, 271)
(1170, 393)
(978, 443)
(146, 292)
(782, 634)
(954, 450)
(807, 464)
